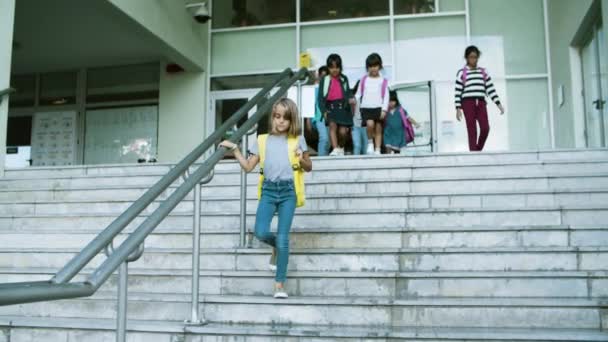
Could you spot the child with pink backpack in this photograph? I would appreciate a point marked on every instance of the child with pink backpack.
(373, 99)
(398, 129)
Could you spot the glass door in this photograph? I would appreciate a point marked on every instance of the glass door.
(418, 100)
(225, 103)
(595, 85)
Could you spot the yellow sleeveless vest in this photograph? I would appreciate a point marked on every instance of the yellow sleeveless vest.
(298, 172)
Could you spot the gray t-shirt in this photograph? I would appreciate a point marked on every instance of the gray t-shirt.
(276, 165)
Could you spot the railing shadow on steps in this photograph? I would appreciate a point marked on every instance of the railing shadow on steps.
(60, 287)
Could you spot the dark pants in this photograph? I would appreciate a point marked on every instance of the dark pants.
(475, 111)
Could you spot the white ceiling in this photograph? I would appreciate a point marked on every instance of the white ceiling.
(67, 34)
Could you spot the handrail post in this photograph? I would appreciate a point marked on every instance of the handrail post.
(123, 285)
(243, 213)
(121, 316)
(196, 257)
(196, 253)
(243, 242)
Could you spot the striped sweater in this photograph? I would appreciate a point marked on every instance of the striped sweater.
(474, 87)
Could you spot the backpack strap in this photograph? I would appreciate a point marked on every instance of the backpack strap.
(384, 87)
(465, 72)
(463, 76)
(484, 73)
(262, 150)
(362, 85)
(326, 83)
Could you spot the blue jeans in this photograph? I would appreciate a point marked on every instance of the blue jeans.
(359, 135)
(277, 197)
(323, 149)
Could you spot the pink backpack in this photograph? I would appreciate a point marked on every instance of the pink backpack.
(384, 86)
(465, 72)
(407, 126)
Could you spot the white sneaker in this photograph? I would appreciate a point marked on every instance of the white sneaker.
(337, 152)
(370, 148)
(272, 264)
(280, 293)
(377, 152)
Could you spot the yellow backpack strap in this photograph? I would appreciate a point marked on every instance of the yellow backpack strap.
(262, 154)
(262, 150)
(298, 173)
(292, 146)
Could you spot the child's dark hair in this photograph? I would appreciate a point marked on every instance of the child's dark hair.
(334, 59)
(373, 60)
(323, 70)
(393, 97)
(470, 49)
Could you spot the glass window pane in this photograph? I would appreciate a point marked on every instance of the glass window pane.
(253, 50)
(121, 135)
(123, 83)
(58, 88)
(451, 5)
(527, 114)
(414, 6)
(342, 9)
(436, 41)
(25, 94)
(352, 41)
(242, 13)
(508, 28)
(19, 131)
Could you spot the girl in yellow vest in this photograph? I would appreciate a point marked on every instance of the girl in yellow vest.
(283, 158)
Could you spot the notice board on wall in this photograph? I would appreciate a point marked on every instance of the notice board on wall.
(54, 138)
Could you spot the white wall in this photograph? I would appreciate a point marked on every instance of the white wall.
(182, 111)
(7, 17)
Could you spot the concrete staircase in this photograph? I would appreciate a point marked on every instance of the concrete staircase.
(454, 247)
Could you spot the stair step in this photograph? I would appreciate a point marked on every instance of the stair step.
(331, 260)
(352, 284)
(378, 312)
(94, 330)
(330, 238)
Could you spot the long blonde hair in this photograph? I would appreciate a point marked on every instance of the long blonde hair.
(291, 113)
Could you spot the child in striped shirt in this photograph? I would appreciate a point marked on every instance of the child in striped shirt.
(473, 84)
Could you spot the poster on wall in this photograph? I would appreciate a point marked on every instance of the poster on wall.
(54, 138)
(121, 135)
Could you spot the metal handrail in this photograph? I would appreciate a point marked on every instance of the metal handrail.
(6, 91)
(59, 288)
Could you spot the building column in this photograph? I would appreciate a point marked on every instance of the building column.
(7, 19)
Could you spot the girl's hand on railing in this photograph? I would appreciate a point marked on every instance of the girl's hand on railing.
(229, 145)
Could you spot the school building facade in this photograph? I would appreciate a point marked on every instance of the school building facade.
(128, 81)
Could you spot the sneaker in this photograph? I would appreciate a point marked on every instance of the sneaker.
(370, 148)
(272, 263)
(280, 293)
(377, 152)
(341, 151)
(334, 152)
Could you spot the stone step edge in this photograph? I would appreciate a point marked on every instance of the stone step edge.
(488, 334)
(341, 195)
(309, 212)
(334, 251)
(330, 181)
(338, 275)
(503, 302)
(543, 174)
(382, 230)
(362, 166)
